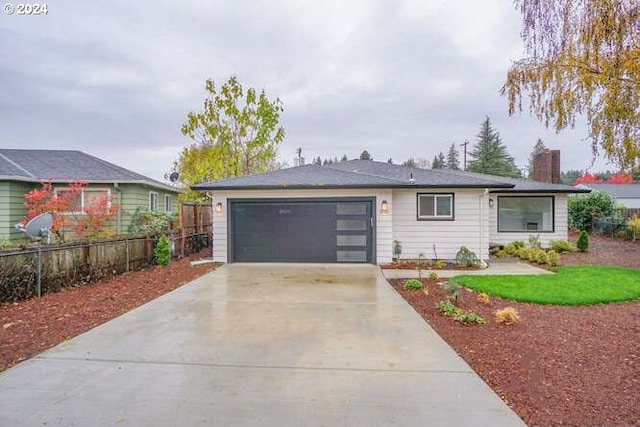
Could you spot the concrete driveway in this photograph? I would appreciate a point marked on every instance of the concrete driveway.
(257, 345)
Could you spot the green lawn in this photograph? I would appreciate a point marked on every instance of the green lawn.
(575, 285)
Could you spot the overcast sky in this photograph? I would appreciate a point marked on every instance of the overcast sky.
(401, 79)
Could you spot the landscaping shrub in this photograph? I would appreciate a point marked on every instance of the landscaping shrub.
(448, 308)
(541, 256)
(433, 276)
(513, 247)
(534, 242)
(469, 317)
(453, 290)
(501, 254)
(483, 298)
(465, 257)
(584, 207)
(561, 246)
(413, 284)
(162, 251)
(439, 264)
(634, 227)
(507, 315)
(553, 258)
(523, 253)
(583, 241)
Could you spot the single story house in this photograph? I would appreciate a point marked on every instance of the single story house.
(627, 195)
(356, 211)
(24, 170)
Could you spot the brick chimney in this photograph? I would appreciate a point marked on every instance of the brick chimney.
(546, 166)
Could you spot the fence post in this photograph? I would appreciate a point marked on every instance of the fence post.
(39, 279)
(126, 243)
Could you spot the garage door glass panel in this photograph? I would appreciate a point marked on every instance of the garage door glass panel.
(350, 240)
(351, 209)
(352, 224)
(352, 256)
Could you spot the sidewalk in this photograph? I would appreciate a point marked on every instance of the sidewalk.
(495, 268)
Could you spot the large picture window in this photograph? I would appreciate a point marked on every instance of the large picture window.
(435, 206)
(525, 214)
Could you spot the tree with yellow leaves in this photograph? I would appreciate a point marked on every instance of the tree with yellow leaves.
(583, 58)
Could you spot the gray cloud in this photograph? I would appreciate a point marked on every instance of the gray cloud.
(116, 79)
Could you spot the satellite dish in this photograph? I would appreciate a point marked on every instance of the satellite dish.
(39, 227)
(174, 176)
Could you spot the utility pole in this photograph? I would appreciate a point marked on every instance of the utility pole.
(465, 153)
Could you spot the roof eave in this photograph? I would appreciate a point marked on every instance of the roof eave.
(204, 187)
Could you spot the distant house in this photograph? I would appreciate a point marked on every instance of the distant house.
(354, 211)
(24, 170)
(627, 195)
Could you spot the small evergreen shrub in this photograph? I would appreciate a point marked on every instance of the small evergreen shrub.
(541, 256)
(507, 315)
(413, 284)
(433, 276)
(501, 254)
(523, 253)
(439, 264)
(453, 289)
(162, 251)
(583, 241)
(561, 246)
(466, 257)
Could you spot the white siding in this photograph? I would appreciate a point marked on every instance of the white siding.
(469, 228)
(383, 221)
(561, 222)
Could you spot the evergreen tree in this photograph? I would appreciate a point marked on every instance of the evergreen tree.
(537, 149)
(344, 158)
(490, 155)
(453, 160)
(438, 161)
(410, 163)
(570, 176)
(318, 161)
(365, 155)
(390, 161)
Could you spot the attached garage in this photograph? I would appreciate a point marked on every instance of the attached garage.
(313, 230)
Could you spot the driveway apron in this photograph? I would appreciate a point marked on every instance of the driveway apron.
(257, 345)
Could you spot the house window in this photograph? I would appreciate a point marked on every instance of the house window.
(79, 201)
(525, 214)
(167, 203)
(153, 201)
(435, 206)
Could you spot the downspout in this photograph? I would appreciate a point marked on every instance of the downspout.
(482, 199)
(116, 186)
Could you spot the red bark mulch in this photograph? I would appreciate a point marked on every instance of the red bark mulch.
(577, 366)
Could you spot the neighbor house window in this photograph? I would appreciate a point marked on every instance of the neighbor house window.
(525, 214)
(167, 203)
(81, 200)
(153, 201)
(435, 206)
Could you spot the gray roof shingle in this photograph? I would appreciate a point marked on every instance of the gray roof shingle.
(65, 166)
(617, 190)
(371, 174)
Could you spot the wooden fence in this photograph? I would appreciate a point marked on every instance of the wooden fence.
(44, 269)
(194, 220)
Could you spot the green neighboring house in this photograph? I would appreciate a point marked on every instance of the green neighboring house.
(24, 170)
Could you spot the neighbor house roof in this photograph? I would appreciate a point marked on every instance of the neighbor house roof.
(617, 190)
(66, 166)
(371, 174)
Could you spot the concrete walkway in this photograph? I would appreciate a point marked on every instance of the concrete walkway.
(495, 268)
(257, 345)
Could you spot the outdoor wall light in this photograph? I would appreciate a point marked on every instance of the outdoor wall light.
(218, 207)
(490, 203)
(384, 207)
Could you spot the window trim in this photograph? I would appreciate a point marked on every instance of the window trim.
(56, 190)
(553, 214)
(436, 217)
(167, 203)
(151, 194)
